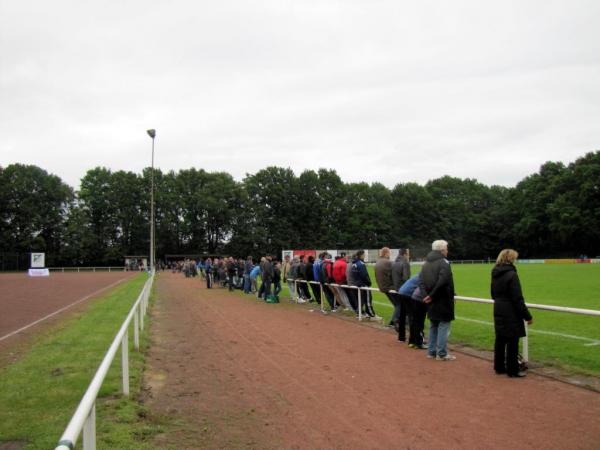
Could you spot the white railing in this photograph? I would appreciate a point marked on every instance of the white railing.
(89, 269)
(84, 417)
(564, 309)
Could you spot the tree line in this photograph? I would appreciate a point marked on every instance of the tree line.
(554, 212)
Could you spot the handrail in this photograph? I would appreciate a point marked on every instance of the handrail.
(84, 417)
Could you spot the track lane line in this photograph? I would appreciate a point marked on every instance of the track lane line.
(58, 311)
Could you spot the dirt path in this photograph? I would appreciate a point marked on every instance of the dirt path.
(244, 374)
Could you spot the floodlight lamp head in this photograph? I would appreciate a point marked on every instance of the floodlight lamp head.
(151, 133)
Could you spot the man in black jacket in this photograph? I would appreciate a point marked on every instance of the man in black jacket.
(438, 284)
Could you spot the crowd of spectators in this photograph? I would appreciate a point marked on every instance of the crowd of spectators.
(340, 282)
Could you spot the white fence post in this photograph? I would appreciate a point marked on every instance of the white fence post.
(359, 305)
(295, 293)
(526, 345)
(322, 295)
(89, 430)
(125, 362)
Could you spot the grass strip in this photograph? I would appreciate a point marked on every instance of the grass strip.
(39, 392)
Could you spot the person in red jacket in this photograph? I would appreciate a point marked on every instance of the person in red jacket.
(339, 275)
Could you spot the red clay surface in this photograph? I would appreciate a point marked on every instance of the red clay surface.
(24, 300)
(240, 373)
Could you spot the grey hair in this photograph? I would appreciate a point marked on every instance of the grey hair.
(439, 245)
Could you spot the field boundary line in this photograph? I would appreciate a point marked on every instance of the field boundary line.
(58, 311)
(590, 342)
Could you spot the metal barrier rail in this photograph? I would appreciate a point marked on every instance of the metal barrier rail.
(88, 269)
(85, 414)
(564, 309)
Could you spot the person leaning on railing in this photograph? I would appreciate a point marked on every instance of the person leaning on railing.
(509, 313)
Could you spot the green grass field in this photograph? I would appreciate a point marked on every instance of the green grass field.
(41, 390)
(555, 339)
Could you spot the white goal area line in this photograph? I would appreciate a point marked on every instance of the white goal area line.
(589, 342)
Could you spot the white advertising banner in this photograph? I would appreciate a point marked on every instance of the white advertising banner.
(39, 273)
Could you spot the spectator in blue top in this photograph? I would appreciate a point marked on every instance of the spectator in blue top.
(361, 278)
(254, 273)
(410, 293)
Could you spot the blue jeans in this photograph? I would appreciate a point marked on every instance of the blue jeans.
(438, 337)
(247, 284)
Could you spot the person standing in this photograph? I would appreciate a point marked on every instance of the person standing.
(351, 292)
(277, 279)
(400, 274)
(267, 274)
(510, 312)
(410, 290)
(231, 273)
(248, 266)
(285, 270)
(310, 276)
(361, 278)
(383, 276)
(438, 285)
(339, 275)
(209, 276)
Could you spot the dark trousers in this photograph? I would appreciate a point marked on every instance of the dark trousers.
(366, 300)
(352, 298)
(329, 296)
(277, 286)
(305, 289)
(417, 321)
(316, 289)
(209, 280)
(230, 282)
(506, 353)
(406, 313)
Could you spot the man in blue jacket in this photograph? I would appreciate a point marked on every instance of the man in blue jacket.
(361, 278)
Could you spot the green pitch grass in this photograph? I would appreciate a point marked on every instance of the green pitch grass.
(555, 339)
(39, 393)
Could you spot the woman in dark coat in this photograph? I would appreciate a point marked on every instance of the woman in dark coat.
(509, 313)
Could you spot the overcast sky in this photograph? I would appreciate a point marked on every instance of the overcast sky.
(387, 91)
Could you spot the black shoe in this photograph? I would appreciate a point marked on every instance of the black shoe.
(500, 372)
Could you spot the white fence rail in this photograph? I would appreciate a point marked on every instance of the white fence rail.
(563, 309)
(84, 417)
(88, 269)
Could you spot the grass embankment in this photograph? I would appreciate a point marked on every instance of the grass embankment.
(557, 339)
(40, 392)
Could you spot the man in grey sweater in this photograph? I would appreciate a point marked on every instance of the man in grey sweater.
(401, 273)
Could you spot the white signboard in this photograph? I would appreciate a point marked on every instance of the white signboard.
(38, 260)
(39, 273)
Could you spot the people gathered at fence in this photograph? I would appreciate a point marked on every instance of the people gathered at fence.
(343, 283)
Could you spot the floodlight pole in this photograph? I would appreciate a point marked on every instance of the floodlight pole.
(152, 134)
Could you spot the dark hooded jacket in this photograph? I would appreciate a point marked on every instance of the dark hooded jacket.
(509, 305)
(438, 283)
(400, 272)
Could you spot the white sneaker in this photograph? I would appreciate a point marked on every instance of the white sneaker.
(301, 300)
(448, 357)
(376, 318)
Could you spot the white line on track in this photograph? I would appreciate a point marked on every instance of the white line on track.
(590, 342)
(58, 311)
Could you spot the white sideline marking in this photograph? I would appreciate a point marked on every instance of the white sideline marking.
(60, 310)
(590, 342)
